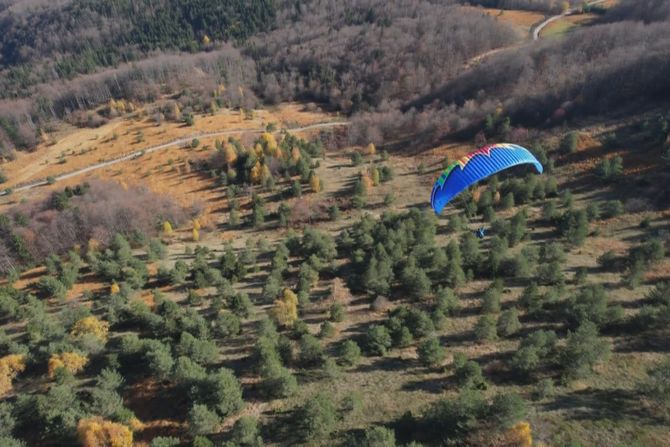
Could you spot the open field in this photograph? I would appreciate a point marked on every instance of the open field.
(521, 21)
(567, 24)
(70, 149)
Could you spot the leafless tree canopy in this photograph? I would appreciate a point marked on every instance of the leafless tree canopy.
(105, 209)
(358, 55)
(399, 67)
(645, 10)
(596, 70)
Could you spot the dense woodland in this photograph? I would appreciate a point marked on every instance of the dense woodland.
(396, 66)
(304, 315)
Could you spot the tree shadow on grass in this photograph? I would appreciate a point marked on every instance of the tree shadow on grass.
(383, 364)
(432, 386)
(612, 404)
(280, 427)
(652, 341)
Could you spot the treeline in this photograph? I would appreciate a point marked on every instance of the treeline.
(354, 56)
(548, 6)
(593, 71)
(88, 214)
(75, 55)
(397, 66)
(81, 35)
(365, 55)
(644, 10)
(218, 75)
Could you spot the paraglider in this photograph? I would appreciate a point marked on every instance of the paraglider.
(477, 166)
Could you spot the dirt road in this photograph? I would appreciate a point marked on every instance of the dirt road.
(180, 141)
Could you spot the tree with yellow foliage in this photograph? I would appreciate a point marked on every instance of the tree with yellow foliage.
(256, 173)
(196, 224)
(265, 173)
(114, 289)
(367, 182)
(206, 40)
(295, 154)
(71, 361)
(370, 149)
(92, 245)
(174, 112)
(91, 326)
(374, 175)
(519, 435)
(10, 366)
(167, 227)
(97, 432)
(230, 153)
(315, 183)
(269, 143)
(285, 310)
(196, 235)
(258, 150)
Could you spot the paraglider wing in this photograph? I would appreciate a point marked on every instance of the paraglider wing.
(476, 166)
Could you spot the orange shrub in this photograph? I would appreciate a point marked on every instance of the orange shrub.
(367, 182)
(10, 366)
(97, 432)
(71, 361)
(519, 436)
(92, 325)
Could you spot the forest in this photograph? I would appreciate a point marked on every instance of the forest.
(265, 268)
(396, 67)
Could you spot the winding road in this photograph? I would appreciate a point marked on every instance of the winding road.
(534, 31)
(178, 142)
(538, 29)
(535, 36)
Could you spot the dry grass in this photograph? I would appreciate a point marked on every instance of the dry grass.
(83, 147)
(567, 24)
(522, 21)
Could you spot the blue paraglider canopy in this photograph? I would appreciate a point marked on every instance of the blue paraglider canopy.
(477, 166)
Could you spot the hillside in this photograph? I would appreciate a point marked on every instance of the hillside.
(229, 241)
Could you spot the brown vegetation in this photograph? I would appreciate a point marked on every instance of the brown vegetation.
(107, 208)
